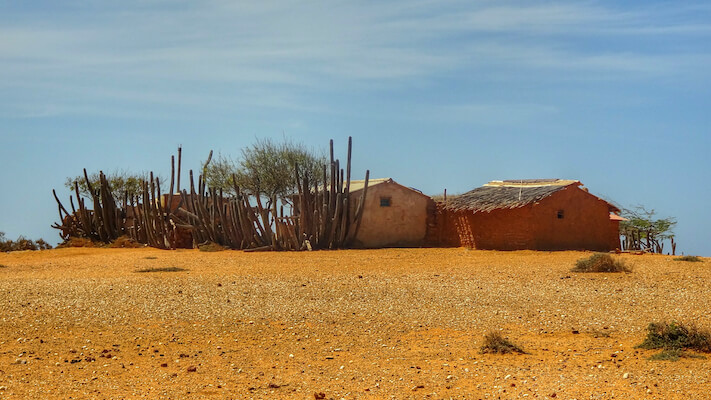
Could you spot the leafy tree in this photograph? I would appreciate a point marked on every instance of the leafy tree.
(643, 231)
(218, 172)
(120, 182)
(266, 168)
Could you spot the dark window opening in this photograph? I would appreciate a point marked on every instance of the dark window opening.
(561, 214)
(385, 202)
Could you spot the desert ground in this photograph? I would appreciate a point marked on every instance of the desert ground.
(84, 323)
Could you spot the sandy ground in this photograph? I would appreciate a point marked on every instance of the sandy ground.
(396, 323)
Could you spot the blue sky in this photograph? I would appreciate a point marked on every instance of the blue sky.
(436, 94)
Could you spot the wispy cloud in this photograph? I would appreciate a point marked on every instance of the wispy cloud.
(491, 113)
(154, 52)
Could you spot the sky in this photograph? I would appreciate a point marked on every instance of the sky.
(436, 94)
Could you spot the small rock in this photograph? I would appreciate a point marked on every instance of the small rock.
(3, 388)
(319, 396)
(626, 375)
(164, 365)
(192, 368)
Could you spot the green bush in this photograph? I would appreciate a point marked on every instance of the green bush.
(600, 262)
(673, 338)
(495, 343)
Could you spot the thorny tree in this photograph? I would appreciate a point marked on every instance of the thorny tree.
(643, 231)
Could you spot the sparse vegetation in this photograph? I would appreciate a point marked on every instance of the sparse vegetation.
(22, 244)
(674, 338)
(596, 333)
(162, 269)
(77, 242)
(121, 183)
(496, 343)
(601, 262)
(211, 247)
(689, 259)
(643, 231)
(120, 243)
(667, 355)
(124, 242)
(3, 266)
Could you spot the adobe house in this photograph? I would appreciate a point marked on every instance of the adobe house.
(394, 215)
(535, 214)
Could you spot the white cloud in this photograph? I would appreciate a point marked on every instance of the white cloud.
(273, 53)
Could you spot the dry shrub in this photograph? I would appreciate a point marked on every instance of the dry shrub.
(689, 259)
(668, 355)
(211, 247)
(596, 333)
(22, 244)
(77, 242)
(600, 262)
(162, 269)
(495, 343)
(124, 242)
(673, 338)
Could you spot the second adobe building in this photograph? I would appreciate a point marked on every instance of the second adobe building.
(535, 214)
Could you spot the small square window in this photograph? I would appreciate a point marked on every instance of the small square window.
(385, 202)
(561, 214)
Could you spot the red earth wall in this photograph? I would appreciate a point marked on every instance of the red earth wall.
(585, 225)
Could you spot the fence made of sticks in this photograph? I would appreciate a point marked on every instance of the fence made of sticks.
(321, 214)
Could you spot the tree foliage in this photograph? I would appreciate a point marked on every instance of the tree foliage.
(121, 182)
(219, 171)
(643, 231)
(265, 168)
